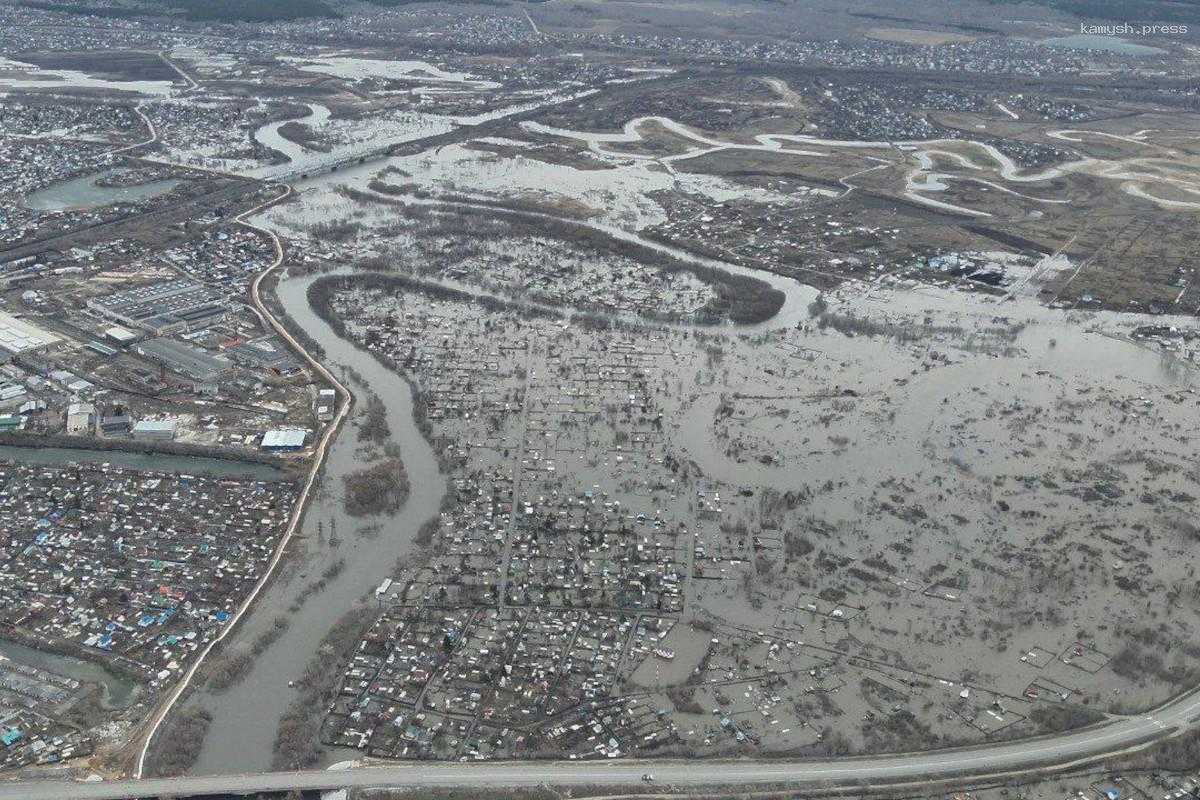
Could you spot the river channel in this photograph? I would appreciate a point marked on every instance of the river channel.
(156, 462)
(245, 717)
(268, 135)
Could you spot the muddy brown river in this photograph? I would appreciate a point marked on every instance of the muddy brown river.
(246, 716)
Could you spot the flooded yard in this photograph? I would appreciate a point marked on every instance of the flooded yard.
(119, 691)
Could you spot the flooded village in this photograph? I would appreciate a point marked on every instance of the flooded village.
(486, 384)
(659, 542)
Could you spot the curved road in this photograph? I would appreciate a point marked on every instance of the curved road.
(1022, 756)
(345, 399)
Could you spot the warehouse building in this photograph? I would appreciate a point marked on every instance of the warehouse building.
(284, 440)
(81, 418)
(268, 353)
(18, 336)
(12, 395)
(121, 335)
(155, 430)
(162, 308)
(185, 359)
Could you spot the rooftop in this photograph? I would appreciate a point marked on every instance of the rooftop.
(18, 336)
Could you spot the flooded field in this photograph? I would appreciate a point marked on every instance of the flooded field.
(1112, 44)
(359, 69)
(323, 199)
(961, 153)
(21, 75)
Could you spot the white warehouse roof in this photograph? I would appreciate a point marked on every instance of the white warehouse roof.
(284, 437)
(17, 335)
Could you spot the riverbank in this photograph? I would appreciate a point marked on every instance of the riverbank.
(162, 457)
(185, 686)
(246, 716)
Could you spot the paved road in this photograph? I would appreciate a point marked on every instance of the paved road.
(990, 760)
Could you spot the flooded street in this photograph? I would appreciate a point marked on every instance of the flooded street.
(246, 716)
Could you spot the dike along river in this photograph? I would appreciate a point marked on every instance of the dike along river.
(245, 717)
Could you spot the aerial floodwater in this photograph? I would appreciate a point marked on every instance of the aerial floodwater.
(89, 191)
(119, 692)
(246, 716)
(268, 135)
(156, 462)
(1110, 44)
(468, 397)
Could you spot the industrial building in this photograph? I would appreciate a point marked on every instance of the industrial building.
(162, 308)
(116, 425)
(18, 336)
(12, 395)
(284, 440)
(121, 335)
(155, 430)
(268, 353)
(184, 359)
(81, 418)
